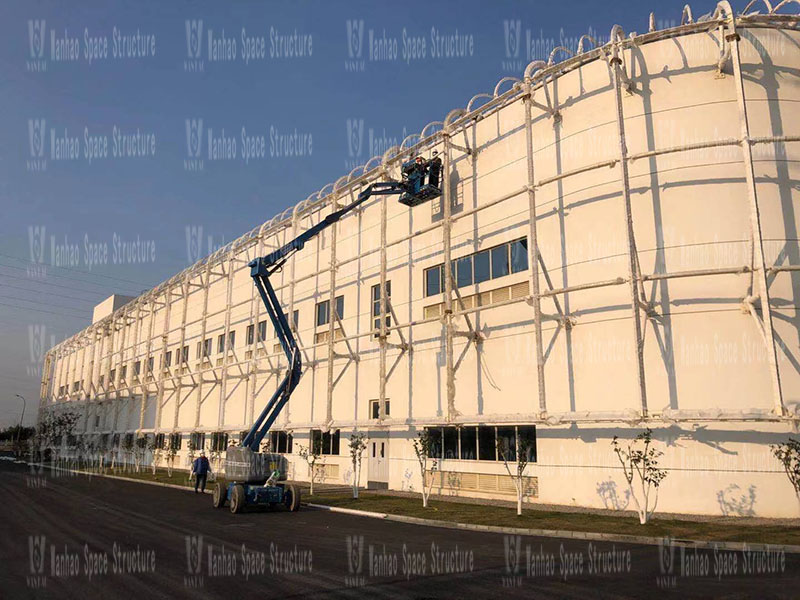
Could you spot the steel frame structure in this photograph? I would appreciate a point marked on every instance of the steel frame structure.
(60, 362)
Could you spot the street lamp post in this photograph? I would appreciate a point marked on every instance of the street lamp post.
(19, 429)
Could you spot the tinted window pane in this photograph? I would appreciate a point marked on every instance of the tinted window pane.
(519, 255)
(464, 271)
(486, 444)
(499, 261)
(433, 283)
(450, 442)
(508, 438)
(335, 443)
(322, 313)
(527, 437)
(481, 262)
(469, 443)
(435, 434)
(340, 306)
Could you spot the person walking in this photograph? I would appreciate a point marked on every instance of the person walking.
(200, 470)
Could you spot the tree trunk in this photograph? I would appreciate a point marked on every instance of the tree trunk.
(519, 504)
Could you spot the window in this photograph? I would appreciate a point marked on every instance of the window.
(175, 441)
(128, 440)
(185, 354)
(159, 441)
(499, 261)
(137, 368)
(464, 271)
(219, 441)
(168, 359)
(231, 340)
(207, 347)
(376, 305)
(198, 440)
(450, 442)
(112, 376)
(262, 331)
(122, 370)
(96, 421)
(323, 311)
(433, 281)
(327, 442)
(527, 440)
(519, 255)
(481, 265)
(281, 442)
(199, 352)
(115, 441)
(250, 334)
(480, 443)
(220, 343)
(507, 438)
(487, 447)
(150, 365)
(374, 408)
(296, 320)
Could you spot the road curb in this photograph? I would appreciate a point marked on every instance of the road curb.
(119, 477)
(575, 535)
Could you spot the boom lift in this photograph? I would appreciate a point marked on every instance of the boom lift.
(256, 478)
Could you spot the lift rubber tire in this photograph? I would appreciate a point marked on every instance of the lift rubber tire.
(291, 497)
(237, 498)
(220, 495)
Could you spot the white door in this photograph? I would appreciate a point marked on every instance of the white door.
(378, 464)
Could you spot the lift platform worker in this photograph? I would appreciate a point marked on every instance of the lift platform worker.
(200, 470)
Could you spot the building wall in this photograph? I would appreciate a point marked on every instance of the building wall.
(709, 381)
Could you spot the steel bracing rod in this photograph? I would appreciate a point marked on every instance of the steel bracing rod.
(382, 316)
(162, 368)
(331, 319)
(760, 274)
(633, 276)
(226, 347)
(203, 328)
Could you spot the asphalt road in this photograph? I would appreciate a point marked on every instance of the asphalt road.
(67, 536)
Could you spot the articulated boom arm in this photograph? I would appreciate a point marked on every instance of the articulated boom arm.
(413, 190)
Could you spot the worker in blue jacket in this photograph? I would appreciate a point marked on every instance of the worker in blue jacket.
(200, 470)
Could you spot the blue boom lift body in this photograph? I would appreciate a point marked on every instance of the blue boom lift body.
(254, 478)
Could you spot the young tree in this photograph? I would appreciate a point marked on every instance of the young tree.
(424, 449)
(139, 452)
(172, 452)
(155, 452)
(358, 443)
(520, 455)
(128, 447)
(639, 461)
(311, 456)
(788, 453)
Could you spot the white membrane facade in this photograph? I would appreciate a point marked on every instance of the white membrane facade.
(622, 235)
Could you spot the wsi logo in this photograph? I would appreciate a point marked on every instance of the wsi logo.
(37, 134)
(36, 554)
(355, 137)
(355, 561)
(194, 242)
(37, 242)
(666, 562)
(36, 37)
(512, 30)
(37, 339)
(194, 145)
(512, 546)
(194, 46)
(194, 561)
(355, 45)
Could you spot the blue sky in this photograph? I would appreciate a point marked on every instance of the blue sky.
(305, 109)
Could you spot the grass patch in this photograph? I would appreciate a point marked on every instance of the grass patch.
(717, 530)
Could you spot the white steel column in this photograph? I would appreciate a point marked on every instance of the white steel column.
(185, 289)
(162, 368)
(204, 323)
(331, 314)
(382, 330)
(225, 348)
(533, 241)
